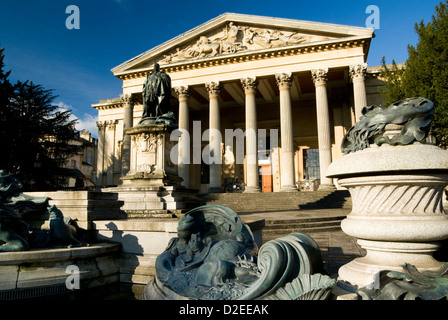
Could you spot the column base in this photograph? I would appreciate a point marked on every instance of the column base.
(289, 188)
(252, 190)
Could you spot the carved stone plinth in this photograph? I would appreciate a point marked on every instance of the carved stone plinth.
(397, 213)
(152, 186)
(150, 157)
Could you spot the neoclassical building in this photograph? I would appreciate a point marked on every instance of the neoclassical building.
(294, 87)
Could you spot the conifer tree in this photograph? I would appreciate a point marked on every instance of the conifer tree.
(426, 71)
(34, 133)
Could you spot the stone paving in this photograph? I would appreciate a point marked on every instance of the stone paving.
(337, 248)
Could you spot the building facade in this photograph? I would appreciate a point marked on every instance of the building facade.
(82, 165)
(292, 88)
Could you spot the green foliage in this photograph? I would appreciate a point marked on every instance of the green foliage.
(394, 88)
(426, 72)
(428, 69)
(34, 133)
(6, 87)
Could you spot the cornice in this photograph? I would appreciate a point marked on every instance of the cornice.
(109, 104)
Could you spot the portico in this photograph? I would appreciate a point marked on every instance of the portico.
(303, 83)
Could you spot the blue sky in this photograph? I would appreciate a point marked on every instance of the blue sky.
(77, 63)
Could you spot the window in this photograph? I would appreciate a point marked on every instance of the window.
(311, 160)
(264, 147)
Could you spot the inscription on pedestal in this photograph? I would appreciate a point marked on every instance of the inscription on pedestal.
(150, 157)
(146, 162)
(146, 147)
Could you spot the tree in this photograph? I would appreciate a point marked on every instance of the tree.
(34, 133)
(426, 71)
(394, 87)
(6, 87)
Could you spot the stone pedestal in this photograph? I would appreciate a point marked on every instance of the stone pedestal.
(152, 187)
(397, 212)
(150, 157)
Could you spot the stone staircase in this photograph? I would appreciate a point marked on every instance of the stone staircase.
(280, 201)
(309, 225)
(289, 212)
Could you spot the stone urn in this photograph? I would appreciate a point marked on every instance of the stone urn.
(397, 212)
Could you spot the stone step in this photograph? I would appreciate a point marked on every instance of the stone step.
(282, 222)
(284, 232)
(274, 201)
(313, 224)
(271, 235)
(274, 227)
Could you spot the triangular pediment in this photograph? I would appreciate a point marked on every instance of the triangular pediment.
(234, 34)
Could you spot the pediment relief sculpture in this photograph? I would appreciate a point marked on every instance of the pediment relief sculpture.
(234, 38)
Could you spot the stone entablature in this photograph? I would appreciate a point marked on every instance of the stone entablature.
(258, 55)
(109, 104)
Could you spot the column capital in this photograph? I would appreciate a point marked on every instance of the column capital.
(358, 72)
(183, 92)
(284, 80)
(101, 125)
(320, 76)
(249, 84)
(213, 88)
(111, 124)
(127, 99)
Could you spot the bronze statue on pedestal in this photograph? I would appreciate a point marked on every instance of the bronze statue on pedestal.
(156, 98)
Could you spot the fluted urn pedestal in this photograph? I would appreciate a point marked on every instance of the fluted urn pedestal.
(397, 213)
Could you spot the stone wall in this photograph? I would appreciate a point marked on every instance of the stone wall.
(45, 272)
(141, 239)
(81, 206)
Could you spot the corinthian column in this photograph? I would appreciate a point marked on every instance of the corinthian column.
(323, 126)
(357, 73)
(184, 141)
(213, 89)
(252, 183)
(284, 81)
(100, 153)
(128, 106)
